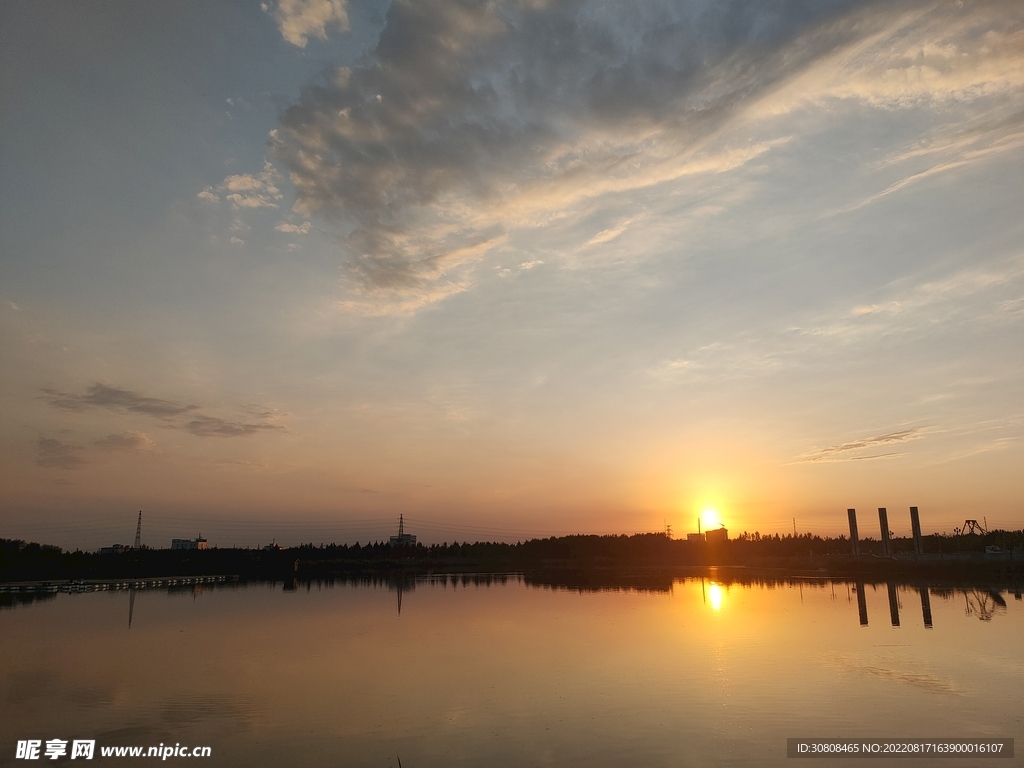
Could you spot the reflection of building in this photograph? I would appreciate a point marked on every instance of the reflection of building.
(197, 543)
(403, 539)
(717, 535)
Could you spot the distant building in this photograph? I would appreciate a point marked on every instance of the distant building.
(695, 537)
(115, 549)
(717, 535)
(199, 543)
(273, 547)
(403, 539)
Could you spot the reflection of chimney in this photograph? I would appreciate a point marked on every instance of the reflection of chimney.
(915, 524)
(854, 539)
(894, 605)
(883, 523)
(926, 604)
(862, 603)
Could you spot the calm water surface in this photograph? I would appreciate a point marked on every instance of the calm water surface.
(510, 674)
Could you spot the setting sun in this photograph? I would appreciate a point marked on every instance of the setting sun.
(709, 519)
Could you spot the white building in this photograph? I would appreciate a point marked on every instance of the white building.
(403, 539)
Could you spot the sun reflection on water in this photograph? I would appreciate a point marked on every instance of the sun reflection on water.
(715, 597)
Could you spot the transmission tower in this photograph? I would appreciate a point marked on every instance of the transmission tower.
(970, 527)
(138, 532)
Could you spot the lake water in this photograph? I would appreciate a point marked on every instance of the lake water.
(704, 673)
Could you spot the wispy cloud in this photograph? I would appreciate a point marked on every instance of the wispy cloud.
(214, 426)
(126, 441)
(1006, 144)
(849, 451)
(523, 267)
(54, 454)
(104, 396)
(469, 122)
(999, 444)
(168, 411)
(937, 53)
(607, 235)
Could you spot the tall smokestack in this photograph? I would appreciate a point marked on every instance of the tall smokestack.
(883, 523)
(854, 538)
(915, 524)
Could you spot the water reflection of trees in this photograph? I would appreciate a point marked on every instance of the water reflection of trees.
(983, 604)
(981, 601)
(15, 599)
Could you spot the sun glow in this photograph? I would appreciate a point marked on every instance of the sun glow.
(709, 519)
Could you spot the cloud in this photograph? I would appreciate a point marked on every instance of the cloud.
(936, 53)
(523, 267)
(214, 426)
(294, 229)
(972, 295)
(985, 296)
(101, 395)
(299, 20)
(607, 235)
(1006, 129)
(836, 453)
(247, 190)
(126, 441)
(262, 412)
(199, 424)
(471, 124)
(391, 285)
(998, 147)
(57, 455)
(471, 121)
(999, 444)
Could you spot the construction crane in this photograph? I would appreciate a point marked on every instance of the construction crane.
(138, 532)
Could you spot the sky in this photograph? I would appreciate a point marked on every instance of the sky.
(508, 268)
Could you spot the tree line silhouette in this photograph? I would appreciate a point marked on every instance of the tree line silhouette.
(21, 561)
